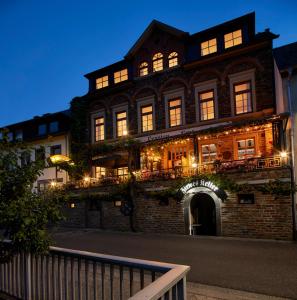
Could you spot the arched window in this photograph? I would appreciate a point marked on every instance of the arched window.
(158, 62)
(143, 69)
(172, 59)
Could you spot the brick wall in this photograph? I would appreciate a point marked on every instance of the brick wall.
(269, 217)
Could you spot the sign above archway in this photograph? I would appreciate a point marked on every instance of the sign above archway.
(205, 184)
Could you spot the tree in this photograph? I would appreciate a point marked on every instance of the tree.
(24, 213)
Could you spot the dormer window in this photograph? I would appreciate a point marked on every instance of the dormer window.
(209, 47)
(158, 62)
(120, 76)
(101, 82)
(172, 59)
(143, 69)
(233, 39)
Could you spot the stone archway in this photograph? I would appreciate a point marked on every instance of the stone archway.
(186, 202)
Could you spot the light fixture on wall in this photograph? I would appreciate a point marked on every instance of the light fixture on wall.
(284, 154)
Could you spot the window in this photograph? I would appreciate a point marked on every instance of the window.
(56, 149)
(243, 97)
(146, 118)
(121, 76)
(101, 82)
(206, 100)
(40, 154)
(246, 148)
(121, 126)
(54, 126)
(42, 129)
(246, 198)
(173, 59)
(158, 62)
(19, 135)
(99, 129)
(10, 136)
(175, 112)
(209, 47)
(122, 173)
(143, 69)
(233, 38)
(25, 158)
(100, 172)
(209, 152)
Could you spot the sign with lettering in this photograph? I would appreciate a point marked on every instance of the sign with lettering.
(169, 134)
(204, 183)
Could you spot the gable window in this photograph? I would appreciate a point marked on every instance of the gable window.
(56, 149)
(175, 112)
(121, 76)
(206, 100)
(243, 97)
(147, 118)
(99, 129)
(233, 39)
(19, 135)
(42, 129)
(121, 123)
(209, 152)
(101, 82)
(246, 148)
(209, 47)
(143, 69)
(173, 59)
(53, 126)
(158, 62)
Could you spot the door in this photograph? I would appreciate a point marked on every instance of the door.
(203, 215)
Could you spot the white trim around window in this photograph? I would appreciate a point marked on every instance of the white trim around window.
(171, 95)
(206, 86)
(94, 116)
(248, 75)
(145, 102)
(116, 109)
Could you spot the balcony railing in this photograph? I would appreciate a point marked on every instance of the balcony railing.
(69, 274)
(244, 165)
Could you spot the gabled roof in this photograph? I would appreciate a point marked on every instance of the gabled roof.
(286, 56)
(152, 26)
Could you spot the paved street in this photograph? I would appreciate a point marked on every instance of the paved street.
(264, 267)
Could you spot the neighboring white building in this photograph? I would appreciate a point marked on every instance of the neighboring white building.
(286, 59)
(49, 136)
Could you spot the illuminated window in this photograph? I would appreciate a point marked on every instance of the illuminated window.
(243, 97)
(122, 173)
(233, 38)
(147, 118)
(246, 148)
(100, 172)
(121, 76)
(101, 82)
(206, 100)
(143, 69)
(209, 152)
(175, 112)
(158, 62)
(209, 47)
(173, 59)
(99, 129)
(121, 120)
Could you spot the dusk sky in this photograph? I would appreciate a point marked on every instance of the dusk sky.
(47, 46)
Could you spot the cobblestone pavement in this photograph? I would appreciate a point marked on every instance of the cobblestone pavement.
(254, 266)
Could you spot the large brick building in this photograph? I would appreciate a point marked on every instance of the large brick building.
(197, 104)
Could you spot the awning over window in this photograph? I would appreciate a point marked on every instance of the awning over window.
(111, 161)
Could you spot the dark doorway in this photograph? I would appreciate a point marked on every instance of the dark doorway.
(203, 212)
